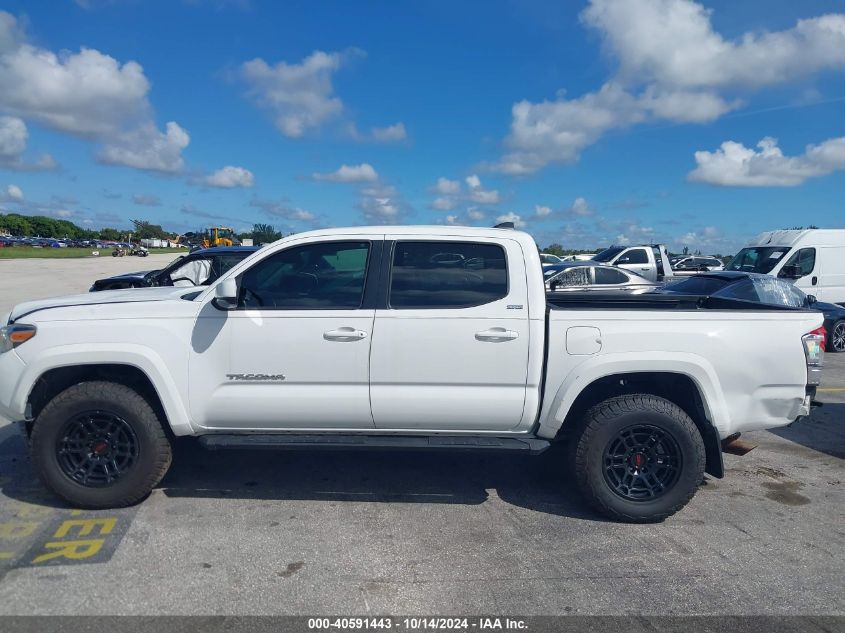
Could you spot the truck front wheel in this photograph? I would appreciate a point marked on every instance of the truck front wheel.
(99, 444)
(638, 458)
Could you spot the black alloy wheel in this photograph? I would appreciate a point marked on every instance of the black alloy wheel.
(837, 337)
(642, 462)
(97, 448)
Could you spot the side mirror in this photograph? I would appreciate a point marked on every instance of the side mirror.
(226, 294)
(792, 271)
(811, 300)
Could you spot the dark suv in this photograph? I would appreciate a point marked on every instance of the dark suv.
(199, 268)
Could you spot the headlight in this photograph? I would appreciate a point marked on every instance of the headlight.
(13, 335)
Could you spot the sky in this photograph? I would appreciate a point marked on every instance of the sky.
(585, 123)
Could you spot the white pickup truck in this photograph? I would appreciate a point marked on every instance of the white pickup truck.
(404, 338)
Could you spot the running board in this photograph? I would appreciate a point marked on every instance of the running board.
(531, 445)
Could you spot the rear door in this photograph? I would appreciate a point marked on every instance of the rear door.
(450, 351)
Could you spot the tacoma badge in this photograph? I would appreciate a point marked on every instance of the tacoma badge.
(257, 377)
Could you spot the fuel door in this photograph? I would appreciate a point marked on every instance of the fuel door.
(583, 340)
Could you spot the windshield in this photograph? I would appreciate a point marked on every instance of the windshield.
(609, 253)
(758, 259)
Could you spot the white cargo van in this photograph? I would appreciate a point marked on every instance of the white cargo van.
(814, 258)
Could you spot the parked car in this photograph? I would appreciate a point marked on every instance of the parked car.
(593, 276)
(548, 259)
(739, 286)
(692, 265)
(371, 337)
(814, 259)
(767, 290)
(650, 261)
(195, 269)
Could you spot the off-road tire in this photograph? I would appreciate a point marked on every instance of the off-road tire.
(602, 423)
(154, 451)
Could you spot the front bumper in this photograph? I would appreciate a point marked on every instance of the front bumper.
(11, 371)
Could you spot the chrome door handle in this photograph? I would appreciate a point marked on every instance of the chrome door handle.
(496, 335)
(345, 335)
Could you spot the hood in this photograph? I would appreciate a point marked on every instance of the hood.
(99, 298)
(139, 275)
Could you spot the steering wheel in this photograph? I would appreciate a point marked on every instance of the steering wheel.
(258, 299)
(315, 281)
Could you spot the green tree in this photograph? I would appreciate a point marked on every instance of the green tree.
(265, 233)
(15, 224)
(144, 230)
(555, 249)
(111, 235)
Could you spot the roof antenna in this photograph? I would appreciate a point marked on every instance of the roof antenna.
(504, 225)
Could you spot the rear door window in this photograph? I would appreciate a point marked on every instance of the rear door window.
(609, 276)
(447, 274)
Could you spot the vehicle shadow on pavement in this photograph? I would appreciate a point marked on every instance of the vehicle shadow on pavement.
(823, 431)
(536, 483)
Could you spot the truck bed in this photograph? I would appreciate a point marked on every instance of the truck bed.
(654, 301)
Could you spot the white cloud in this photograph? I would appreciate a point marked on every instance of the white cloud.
(672, 66)
(480, 195)
(447, 187)
(146, 200)
(86, 94)
(672, 43)
(284, 211)
(147, 148)
(230, 177)
(13, 193)
(517, 220)
(13, 137)
(382, 204)
(734, 165)
(475, 214)
(581, 208)
(451, 194)
(300, 96)
(350, 173)
(444, 203)
(390, 134)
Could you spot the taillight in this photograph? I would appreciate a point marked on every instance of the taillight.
(814, 352)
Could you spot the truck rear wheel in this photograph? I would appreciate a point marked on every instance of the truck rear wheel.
(99, 445)
(638, 458)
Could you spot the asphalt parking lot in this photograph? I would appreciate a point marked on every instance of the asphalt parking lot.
(413, 533)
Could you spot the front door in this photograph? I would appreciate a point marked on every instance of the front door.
(636, 260)
(450, 352)
(295, 353)
(809, 269)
